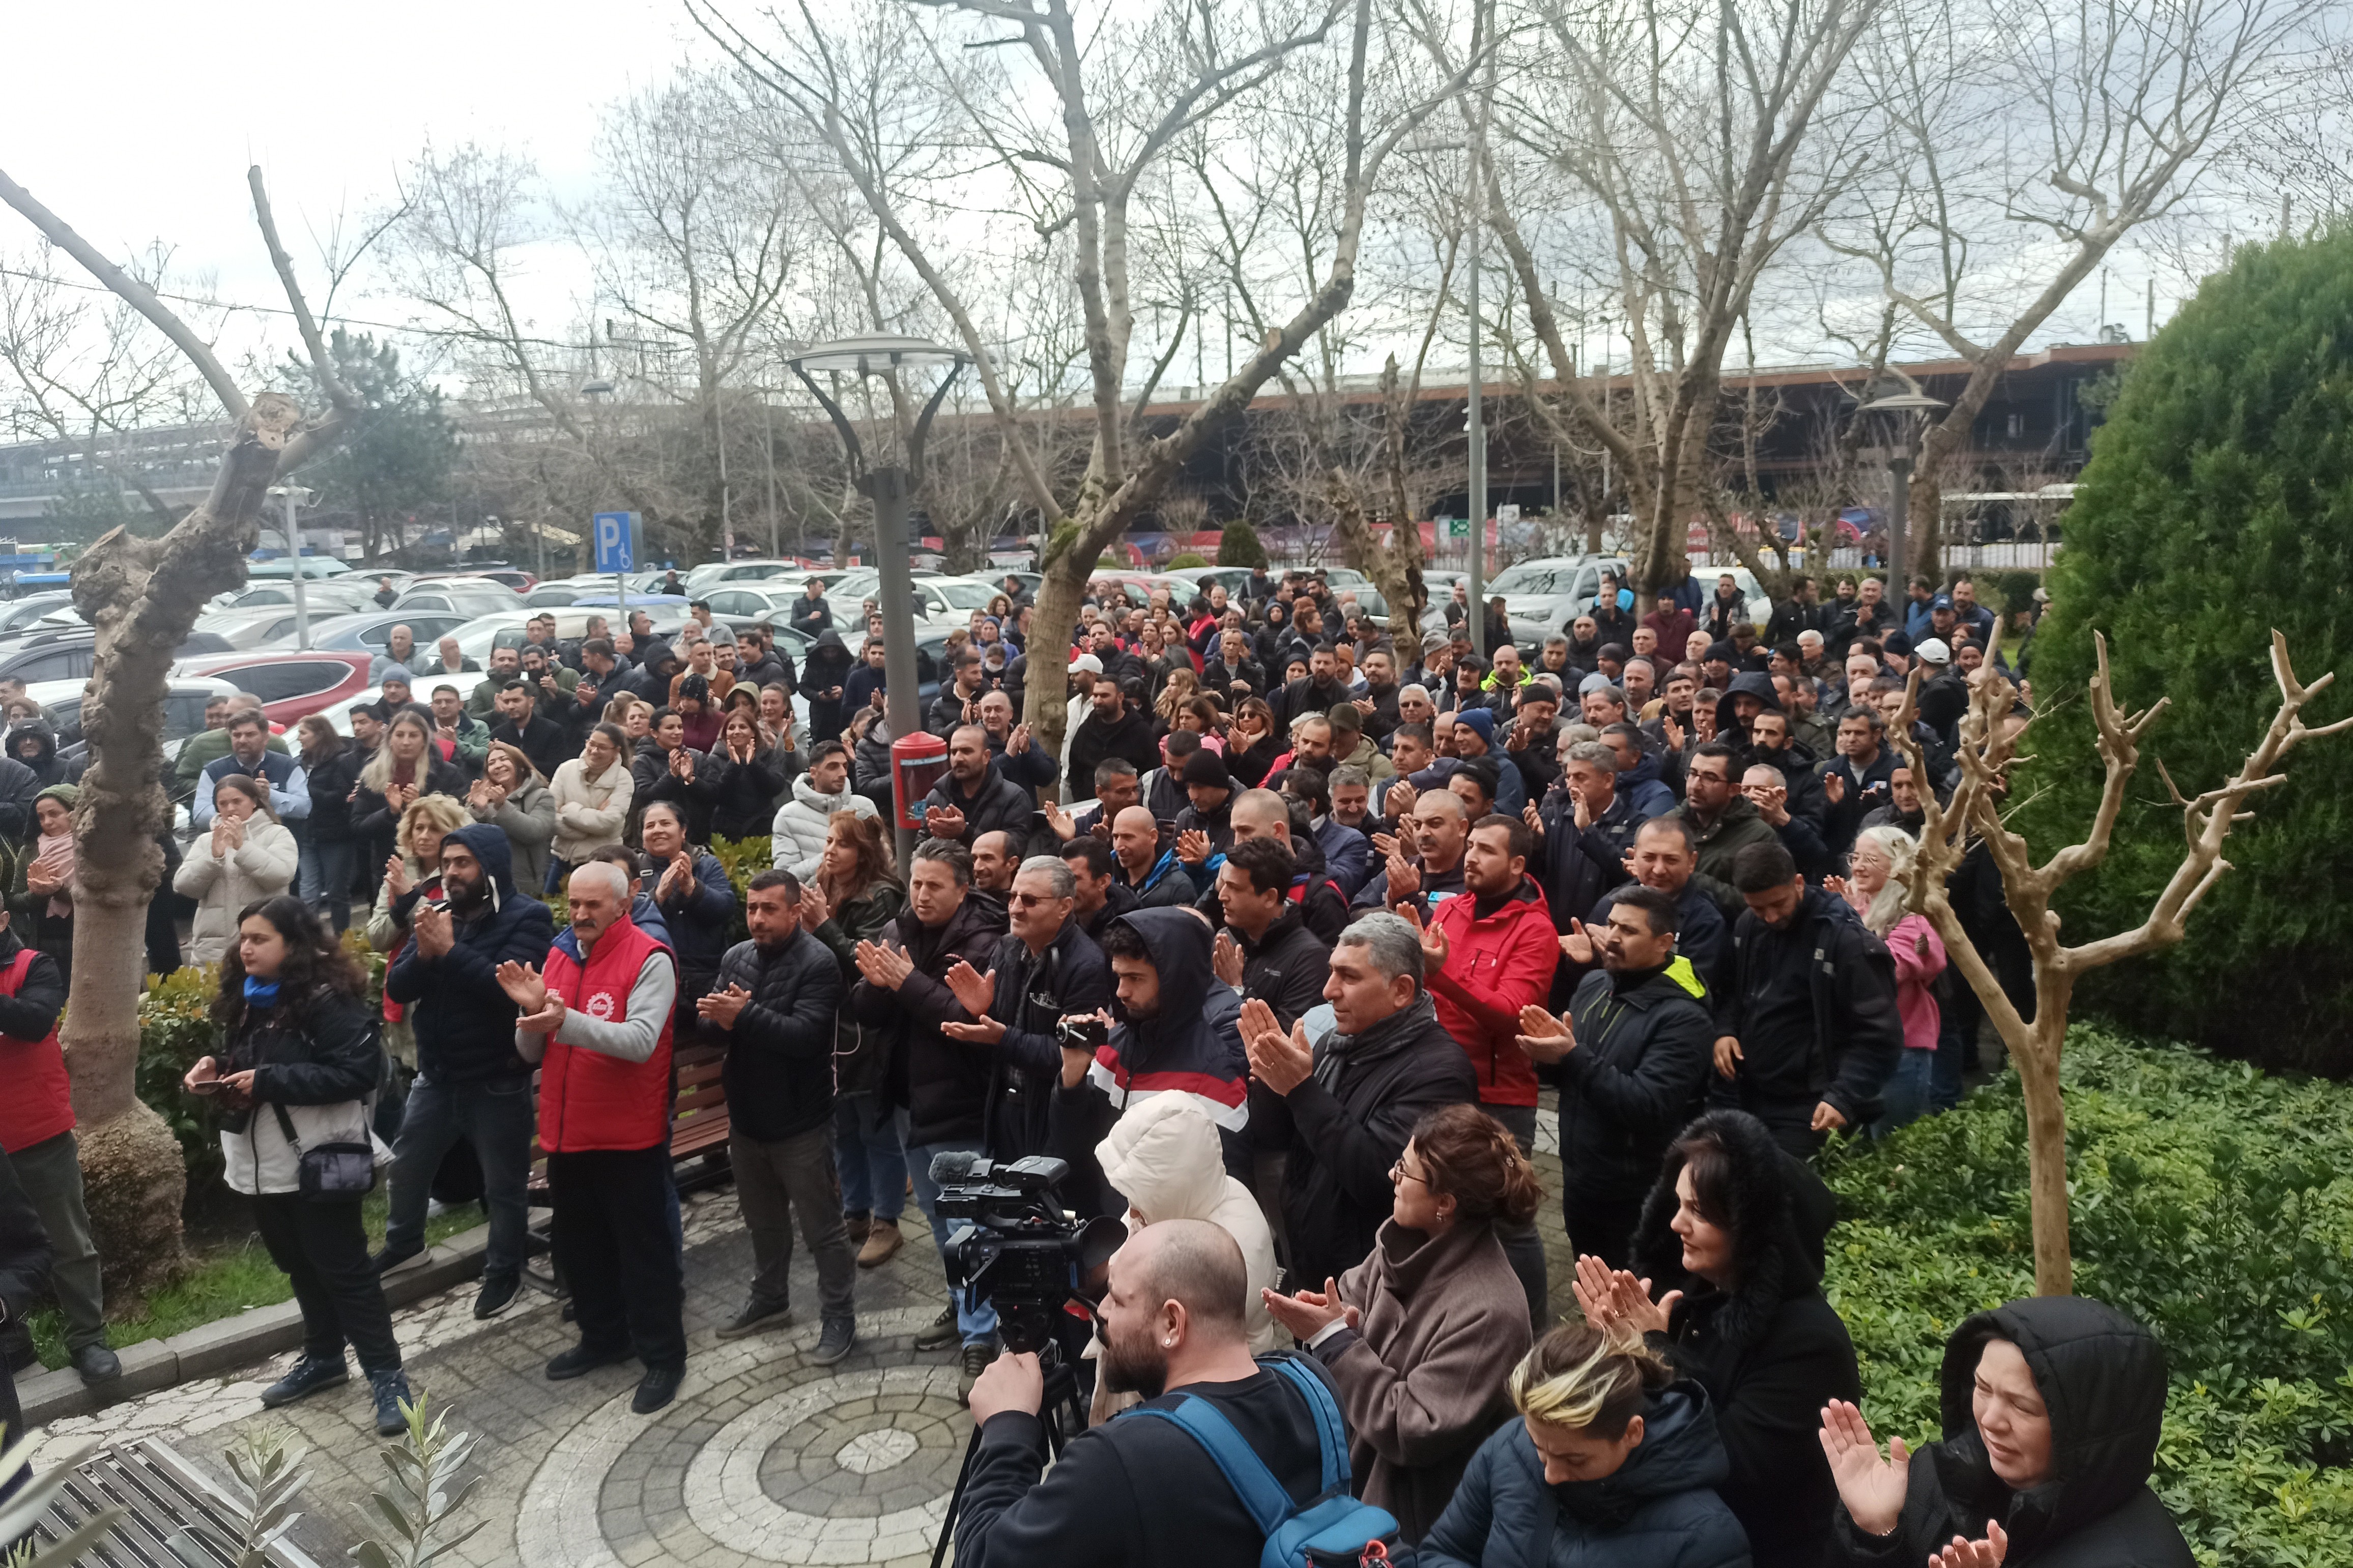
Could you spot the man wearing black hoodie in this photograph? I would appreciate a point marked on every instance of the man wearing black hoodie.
(1352, 1097)
(470, 1083)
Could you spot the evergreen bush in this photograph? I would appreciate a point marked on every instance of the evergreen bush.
(1239, 546)
(2218, 505)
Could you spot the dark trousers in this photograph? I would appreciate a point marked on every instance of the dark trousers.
(612, 1240)
(1601, 1225)
(1523, 1248)
(776, 1182)
(322, 1248)
(495, 1118)
(51, 1173)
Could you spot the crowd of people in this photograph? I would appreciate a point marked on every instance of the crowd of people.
(1277, 953)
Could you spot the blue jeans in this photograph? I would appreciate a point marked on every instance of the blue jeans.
(873, 1166)
(326, 874)
(1905, 1097)
(496, 1118)
(975, 1320)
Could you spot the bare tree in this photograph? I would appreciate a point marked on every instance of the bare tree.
(1988, 749)
(142, 595)
(2117, 107)
(1121, 93)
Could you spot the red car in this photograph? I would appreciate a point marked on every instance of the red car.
(291, 686)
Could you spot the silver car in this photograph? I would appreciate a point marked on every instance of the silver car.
(1543, 595)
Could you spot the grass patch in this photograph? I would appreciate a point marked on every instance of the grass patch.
(229, 1278)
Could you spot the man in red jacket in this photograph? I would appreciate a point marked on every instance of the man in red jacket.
(600, 1017)
(36, 1124)
(1490, 952)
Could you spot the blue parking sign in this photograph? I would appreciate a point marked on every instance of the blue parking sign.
(616, 532)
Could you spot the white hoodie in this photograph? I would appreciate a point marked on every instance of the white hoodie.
(1164, 1158)
(797, 838)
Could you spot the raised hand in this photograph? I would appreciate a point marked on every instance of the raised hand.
(1967, 1554)
(887, 967)
(523, 985)
(1544, 1038)
(1434, 946)
(1399, 801)
(396, 874)
(1872, 1488)
(1226, 959)
(1307, 1314)
(722, 1007)
(1017, 742)
(1578, 946)
(1193, 847)
(1535, 819)
(1834, 787)
(974, 991)
(1256, 1019)
(1065, 825)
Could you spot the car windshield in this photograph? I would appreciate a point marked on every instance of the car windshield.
(967, 596)
(1530, 579)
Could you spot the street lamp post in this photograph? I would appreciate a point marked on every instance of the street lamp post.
(890, 486)
(296, 495)
(1899, 415)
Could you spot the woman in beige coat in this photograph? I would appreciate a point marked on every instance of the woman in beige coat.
(592, 793)
(248, 856)
(1421, 1337)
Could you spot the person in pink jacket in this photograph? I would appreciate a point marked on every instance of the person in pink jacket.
(1875, 886)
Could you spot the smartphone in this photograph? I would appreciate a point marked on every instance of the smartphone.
(206, 1085)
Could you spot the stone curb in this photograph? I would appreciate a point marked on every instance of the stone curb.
(229, 1343)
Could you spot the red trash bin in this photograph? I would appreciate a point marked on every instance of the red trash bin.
(916, 764)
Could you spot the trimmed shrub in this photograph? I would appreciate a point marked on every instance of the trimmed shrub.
(1238, 546)
(2216, 506)
(1190, 558)
(2211, 1202)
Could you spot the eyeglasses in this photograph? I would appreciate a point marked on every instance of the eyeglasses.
(1398, 1172)
(1025, 900)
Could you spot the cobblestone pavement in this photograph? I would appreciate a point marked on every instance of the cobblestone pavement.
(762, 1458)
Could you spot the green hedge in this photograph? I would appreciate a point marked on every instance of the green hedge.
(2212, 1202)
(2218, 505)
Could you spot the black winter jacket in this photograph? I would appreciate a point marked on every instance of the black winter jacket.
(330, 783)
(1133, 735)
(700, 919)
(1636, 1077)
(1814, 1007)
(1350, 1121)
(1286, 968)
(741, 796)
(465, 1023)
(651, 780)
(1033, 995)
(1770, 1352)
(999, 806)
(779, 1070)
(1577, 866)
(943, 1083)
(1659, 1510)
(2102, 1377)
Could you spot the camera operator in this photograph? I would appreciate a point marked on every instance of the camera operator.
(1044, 970)
(1178, 1032)
(1135, 1491)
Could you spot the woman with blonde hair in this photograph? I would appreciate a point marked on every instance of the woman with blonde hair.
(415, 859)
(1613, 1460)
(248, 856)
(1419, 1337)
(1178, 687)
(407, 767)
(1878, 869)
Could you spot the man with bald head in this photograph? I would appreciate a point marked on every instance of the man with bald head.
(1151, 873)
(1263, 813)
(1424, 866)
(1173, 1329)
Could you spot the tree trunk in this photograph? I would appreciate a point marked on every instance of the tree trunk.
(142, 595)
(2046, 1153)
(1046, 662)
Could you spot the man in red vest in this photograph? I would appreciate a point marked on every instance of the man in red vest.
(598, 1022)
(36, 1124)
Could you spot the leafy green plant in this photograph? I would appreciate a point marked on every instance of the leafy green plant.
(1239, 545)
(424, 1462)
(2213, 1202)
(263, 1462)
(1189, 558)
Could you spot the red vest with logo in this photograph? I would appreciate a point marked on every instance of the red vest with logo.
(37, 1103)
(588, 1100)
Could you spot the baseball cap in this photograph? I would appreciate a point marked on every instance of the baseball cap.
(1941, 601)
(1089, 663)
(1432, 641)
(1932, 650)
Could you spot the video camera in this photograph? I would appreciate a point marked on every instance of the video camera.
(1018, 1246)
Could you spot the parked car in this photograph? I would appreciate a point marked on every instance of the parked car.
(466, 599)
(338, 596)
(514, 578)
(291, 686)
(184, 709)
(282, 567)
(71, 653)
(250, 628)
(371, 632)
(712, 574)
(1543, 595)
(18, 613)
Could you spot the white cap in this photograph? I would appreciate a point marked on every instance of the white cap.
(1932, 650)
(1089, 663)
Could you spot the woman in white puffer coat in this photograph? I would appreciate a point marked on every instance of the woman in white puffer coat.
(1164, 1158)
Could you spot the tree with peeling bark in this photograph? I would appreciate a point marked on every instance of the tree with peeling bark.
(1080, 136)
(142, 595)
(1974, 815)
(2122, 107)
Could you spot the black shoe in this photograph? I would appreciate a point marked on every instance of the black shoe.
(390, 1388)
(757, 1317)
(835, 1342)
(387, 1260)
(97, 1363)
(498, 1293)
(656, 1388)
(976, 1362)
(582, 1359)
(941, 1333)
(308, 1375)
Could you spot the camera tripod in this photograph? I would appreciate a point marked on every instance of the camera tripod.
(1062, 1410)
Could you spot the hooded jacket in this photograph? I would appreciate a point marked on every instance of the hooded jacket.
(822, 678)
(1350, 1119)
(1636, 1077)
(1422, 1379)
(465, 1023)
(1192, 1047)
(2101, 1378)
(1770, 1352)
(1659, 1510)
(1641, 787)
(779, 1069)
(1814, 1007)
(1495, 965)
(1736, 827)
(1166, 1160)
(796, 834)
(46, 766)
(943, 1083)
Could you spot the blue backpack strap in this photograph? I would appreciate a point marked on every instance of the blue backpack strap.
(1331, 1432)
(1253, 1482)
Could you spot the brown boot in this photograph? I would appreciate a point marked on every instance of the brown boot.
(858, 1224)
(883, 1240)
